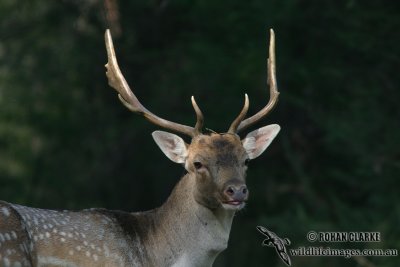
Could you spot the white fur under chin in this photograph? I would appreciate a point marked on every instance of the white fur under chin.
(183, 261)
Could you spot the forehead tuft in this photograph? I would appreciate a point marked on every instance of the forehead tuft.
(220, 141)
(222, 149)
(217, 144)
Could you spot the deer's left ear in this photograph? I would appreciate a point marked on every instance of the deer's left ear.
(257, 141)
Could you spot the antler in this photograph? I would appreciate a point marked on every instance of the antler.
(239, 124)
(128, 98)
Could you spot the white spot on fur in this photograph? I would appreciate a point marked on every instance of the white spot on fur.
(7, 236)
(53, 261)
(14, 234)
(106, 251)
(6, 262)
(5, 211)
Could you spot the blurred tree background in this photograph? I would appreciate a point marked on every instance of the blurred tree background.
(66, 142)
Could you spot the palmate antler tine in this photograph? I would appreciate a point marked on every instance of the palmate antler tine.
(273, 89)
(117, 81)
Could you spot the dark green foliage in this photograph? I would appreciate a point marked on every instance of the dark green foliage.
(67, 142)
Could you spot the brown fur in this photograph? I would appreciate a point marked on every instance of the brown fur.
(191, 222)
(223, 157)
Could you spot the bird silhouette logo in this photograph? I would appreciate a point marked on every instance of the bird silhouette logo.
(273, 240)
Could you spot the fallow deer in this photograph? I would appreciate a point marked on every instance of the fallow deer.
(190, 229)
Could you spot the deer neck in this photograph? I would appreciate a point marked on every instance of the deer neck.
(198, 234)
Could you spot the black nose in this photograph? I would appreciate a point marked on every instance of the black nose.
(237, 193)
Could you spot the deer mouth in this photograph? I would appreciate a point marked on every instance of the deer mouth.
(233, 204)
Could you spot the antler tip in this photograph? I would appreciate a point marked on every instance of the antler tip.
(235, 124)
(274, 93)
(194, 104)
(246, 100)
(200, 118)
(107, 34)
(272, 39)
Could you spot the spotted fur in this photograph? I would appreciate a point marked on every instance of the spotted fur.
(190, 229)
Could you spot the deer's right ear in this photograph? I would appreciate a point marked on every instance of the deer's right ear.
(258, 140)
(172, 145)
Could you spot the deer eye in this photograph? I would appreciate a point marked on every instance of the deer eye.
(197, 165)
(246, 162)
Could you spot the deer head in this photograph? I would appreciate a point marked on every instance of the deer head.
(217, 161)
